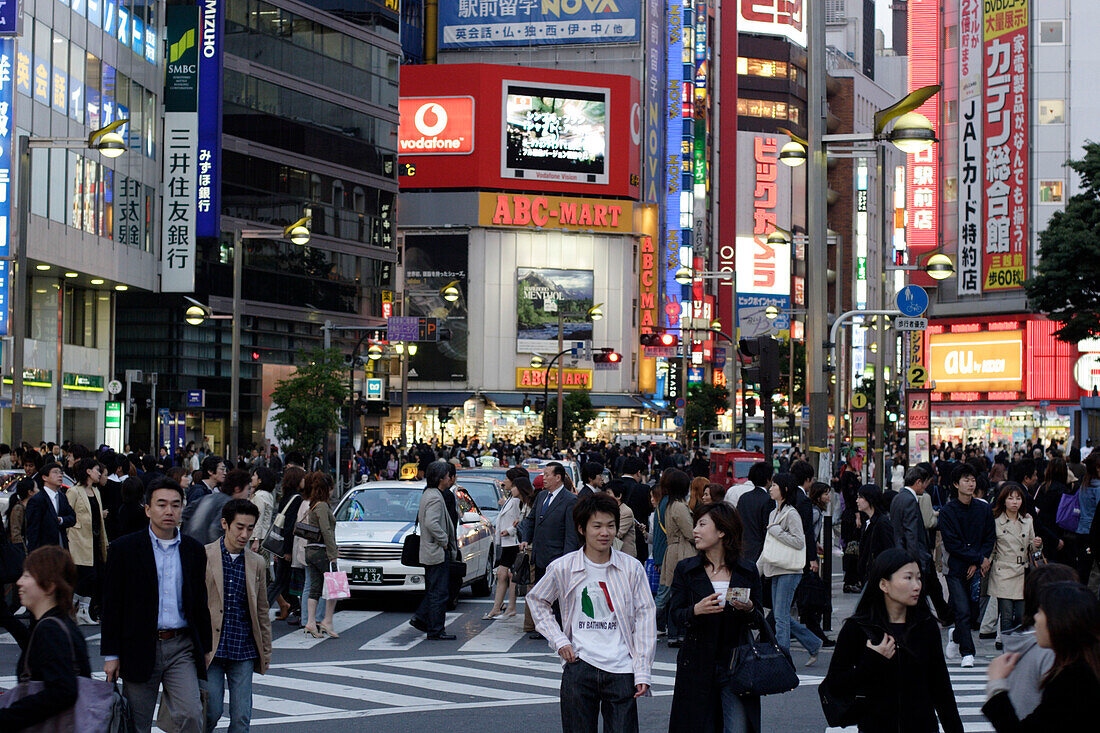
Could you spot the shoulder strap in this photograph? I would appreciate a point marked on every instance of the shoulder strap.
(24, 672)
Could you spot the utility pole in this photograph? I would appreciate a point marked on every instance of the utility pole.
(817, 390)
(561, 374)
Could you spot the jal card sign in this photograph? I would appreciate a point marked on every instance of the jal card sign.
(181, 133)
(763, 268)
(1005, 69)
(971, 181)
(478, 23)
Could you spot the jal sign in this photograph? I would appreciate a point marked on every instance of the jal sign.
(984, 361)
(436, 126)
(555, 212)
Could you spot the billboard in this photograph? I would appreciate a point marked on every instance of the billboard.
(649, 285)
(763, 269)
(7, 120)
(1005, 147)
(971, 182)
(773, 18)
(530, 130)
(208, 194)
(181, 133)
(436, 126)
(982, 361)
(431, 263)
(480, 23)
(541, 294)
(922, 183)
(674, 165)
(556, 133)
(653, 175)
(555, 212)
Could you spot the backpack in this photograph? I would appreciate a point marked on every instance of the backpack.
(1069, 511)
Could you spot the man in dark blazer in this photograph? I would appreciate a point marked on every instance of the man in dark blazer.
(803, 474)
(156, 621)
(637, 498)
(911, 536)
(754, 508)
(48, 511)
(549, 528)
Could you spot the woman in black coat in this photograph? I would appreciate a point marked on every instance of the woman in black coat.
(878, 533)
(1068, 621)
(130, 516)
(46, 589)
(713, 627)
(888, 669)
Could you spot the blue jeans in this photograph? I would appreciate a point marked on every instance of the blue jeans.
(664, 618)
(432, 612)
(586, 690)
(963, 596)
(783, 588)
(239, 677)
(1011, 613)
(735, 716)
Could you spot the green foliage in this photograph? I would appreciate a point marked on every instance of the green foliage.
(576, 413)
(1065, 282)
(310, 400)
(703, 403)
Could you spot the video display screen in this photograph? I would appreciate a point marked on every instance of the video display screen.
(555, 133)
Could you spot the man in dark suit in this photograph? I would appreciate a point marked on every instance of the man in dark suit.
(592, 477)
(48, 511)
(549, 528)
(637, 498)
(156, 622)
(754, 508)
(911, 536)
(803, 474)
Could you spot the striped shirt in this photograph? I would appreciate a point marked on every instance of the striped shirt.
(631, 597)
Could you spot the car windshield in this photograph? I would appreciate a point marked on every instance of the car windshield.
(484, 493)
(397, 504)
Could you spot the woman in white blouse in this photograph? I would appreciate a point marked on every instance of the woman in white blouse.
(516, 507)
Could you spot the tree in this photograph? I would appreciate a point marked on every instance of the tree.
(309, 401)
(1065, 283)
(576, 413)
(703, 403)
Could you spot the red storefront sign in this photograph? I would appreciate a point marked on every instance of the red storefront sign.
(649, 285)
(922, 195)
(1006, 31)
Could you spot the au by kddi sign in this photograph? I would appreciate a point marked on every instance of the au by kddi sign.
(181, 132)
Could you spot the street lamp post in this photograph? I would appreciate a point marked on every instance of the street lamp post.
(297, 233)
(111, 145)
(594, 313)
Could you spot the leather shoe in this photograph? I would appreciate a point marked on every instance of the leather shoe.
(441, 637)
(418, 624)
(535, 636)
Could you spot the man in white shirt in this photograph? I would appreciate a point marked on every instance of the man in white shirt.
(48, 512)
(607, 637)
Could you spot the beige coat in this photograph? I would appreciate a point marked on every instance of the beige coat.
(438, 538)
(255, 579)
(1006, 575)
(680, 531)
(626, 534)
(80, 534)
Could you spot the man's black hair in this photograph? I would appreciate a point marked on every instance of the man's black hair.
(761, 472)
(961, 471)
(590, 471)
(1021, 470)
(586, 508)
(801, 472)
(233, 507)
(633, 465)
(210, 466)
(162, 483)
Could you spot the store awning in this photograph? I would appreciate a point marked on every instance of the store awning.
(510, 399)
(432, 399)
(616, 400)
(599, 400)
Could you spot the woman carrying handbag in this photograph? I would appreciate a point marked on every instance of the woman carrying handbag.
(782, 560)
(714, 597)
(56, 653)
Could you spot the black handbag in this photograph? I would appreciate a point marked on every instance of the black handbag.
(276, 542)
(410, 549)
(760, 666)
(812, 593)
(311, 533)
(839, 708)
(521, 569)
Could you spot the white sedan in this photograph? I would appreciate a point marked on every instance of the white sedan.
(372, 521)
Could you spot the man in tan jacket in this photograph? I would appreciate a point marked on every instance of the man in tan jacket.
(236, 589)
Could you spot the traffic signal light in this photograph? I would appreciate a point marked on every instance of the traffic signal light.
(526, 404)
(607, 356)
(444, 414)
(750, 406)
(664, 340)
(540, 405)
(763, 367)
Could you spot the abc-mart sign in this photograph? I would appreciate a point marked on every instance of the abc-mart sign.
(436, 126)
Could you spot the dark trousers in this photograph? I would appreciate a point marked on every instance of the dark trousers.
(933, 591)
(454, 585)
(811, 619)
(432, 612)
(280, 584)
(963, 594)
(587, 691)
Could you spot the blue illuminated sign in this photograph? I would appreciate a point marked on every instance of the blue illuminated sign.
(674, 135)
(207, 219)
(7, 94)
(474, 23)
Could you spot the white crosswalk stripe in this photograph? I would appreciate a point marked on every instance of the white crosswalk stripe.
(402, 637)
(342, 621)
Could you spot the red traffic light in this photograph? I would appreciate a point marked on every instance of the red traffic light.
(614, 356)
(607, 356)
(665, 340)
(255, 356)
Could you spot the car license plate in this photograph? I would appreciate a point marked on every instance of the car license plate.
(368, 575)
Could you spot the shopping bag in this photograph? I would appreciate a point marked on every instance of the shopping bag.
(336, 586)
(653, 575)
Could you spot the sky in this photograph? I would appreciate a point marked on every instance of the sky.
(883, 19)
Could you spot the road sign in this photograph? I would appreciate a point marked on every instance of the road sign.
(680, 403)
(910, 324)
(917, 376)
(196, 398)
(678, 421)
(912, 300)
(114, 387)
(374, 389)
(859, 401)
(805, 414)
(412, 328)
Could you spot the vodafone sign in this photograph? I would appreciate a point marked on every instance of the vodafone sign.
(436, 126)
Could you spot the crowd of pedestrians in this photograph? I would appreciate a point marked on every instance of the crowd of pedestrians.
(179, 559)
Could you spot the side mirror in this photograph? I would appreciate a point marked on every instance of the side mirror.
(471, 518)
